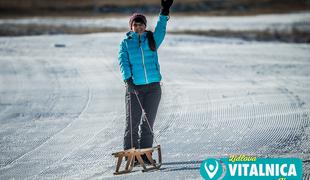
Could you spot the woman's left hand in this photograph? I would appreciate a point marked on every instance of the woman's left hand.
(165, 6)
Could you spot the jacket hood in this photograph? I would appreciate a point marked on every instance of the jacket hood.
(134, 35)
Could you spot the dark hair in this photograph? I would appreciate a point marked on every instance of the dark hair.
(150, 38)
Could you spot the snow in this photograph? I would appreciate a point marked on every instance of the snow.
(270, 22)
(62, 109)
(279, 22)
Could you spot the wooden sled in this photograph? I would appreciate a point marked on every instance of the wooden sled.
(133, 154)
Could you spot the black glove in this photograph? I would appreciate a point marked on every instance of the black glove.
(165, 6)
(131, 87)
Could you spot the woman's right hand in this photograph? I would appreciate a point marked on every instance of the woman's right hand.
(131, 87)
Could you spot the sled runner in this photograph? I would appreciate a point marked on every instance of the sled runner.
(134, 155)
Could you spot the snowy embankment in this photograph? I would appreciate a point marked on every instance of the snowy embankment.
(294, 27)
(62, 109)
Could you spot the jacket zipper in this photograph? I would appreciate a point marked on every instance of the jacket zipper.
(142, 54)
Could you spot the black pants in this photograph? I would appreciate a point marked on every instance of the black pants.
(149, 96)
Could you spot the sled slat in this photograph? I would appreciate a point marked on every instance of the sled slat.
(132, 154)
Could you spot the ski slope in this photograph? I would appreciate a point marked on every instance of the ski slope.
(62, 109)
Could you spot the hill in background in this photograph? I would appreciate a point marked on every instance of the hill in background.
(104, 7)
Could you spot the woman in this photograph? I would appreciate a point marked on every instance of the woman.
(140, 70)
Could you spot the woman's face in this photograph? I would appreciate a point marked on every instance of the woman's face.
(138, 27)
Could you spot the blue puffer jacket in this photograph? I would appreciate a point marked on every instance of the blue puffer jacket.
(137, 60)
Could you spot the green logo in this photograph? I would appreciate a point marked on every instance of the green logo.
(211, 169)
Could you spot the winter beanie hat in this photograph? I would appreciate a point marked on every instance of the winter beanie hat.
(137, 17)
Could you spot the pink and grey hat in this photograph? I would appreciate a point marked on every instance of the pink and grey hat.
(137, 17)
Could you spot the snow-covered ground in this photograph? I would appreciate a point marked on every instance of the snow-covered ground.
(271, 22)
(62, 109)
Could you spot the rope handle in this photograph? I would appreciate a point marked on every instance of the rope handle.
(144, 115)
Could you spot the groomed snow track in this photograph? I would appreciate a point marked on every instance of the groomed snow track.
(62, 109)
